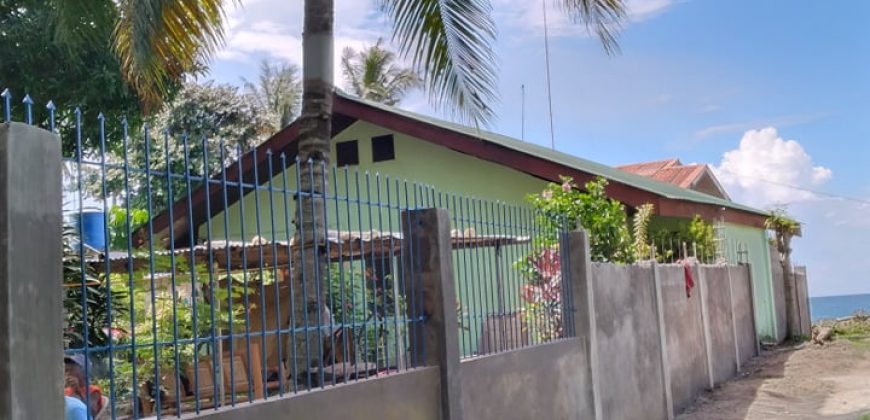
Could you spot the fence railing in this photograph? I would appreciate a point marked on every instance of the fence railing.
(672, 249)
(200, 275)
(514, 292)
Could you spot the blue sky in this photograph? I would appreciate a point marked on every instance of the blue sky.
(772, 94)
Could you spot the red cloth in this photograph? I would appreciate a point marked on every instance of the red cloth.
(690, 282)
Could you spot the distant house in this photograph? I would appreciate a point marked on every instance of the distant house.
(696, 177)
(376, 138)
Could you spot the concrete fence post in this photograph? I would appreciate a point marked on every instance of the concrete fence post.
(429, 258)
(705, 321)
(583, 320)
(31, 343)
(733, 317)
(752, 308)
(663, 341)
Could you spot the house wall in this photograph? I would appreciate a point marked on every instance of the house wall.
(475, 270)
(707, 185)
(758, 248)
(416, 160)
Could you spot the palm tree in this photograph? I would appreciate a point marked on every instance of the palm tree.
(784, 229)
(372, 74)
(158, 42)
(277, 90)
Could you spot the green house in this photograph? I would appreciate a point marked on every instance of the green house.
(392, 145)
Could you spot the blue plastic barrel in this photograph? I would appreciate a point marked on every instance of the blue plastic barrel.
(93, 229)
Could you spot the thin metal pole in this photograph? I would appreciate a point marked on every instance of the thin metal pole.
(523, 112)
(547, 61)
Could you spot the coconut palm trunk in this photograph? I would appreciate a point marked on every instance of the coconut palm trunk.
(315, 131)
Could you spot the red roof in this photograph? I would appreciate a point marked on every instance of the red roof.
(671, 171)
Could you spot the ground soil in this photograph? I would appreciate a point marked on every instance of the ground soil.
(803, 382)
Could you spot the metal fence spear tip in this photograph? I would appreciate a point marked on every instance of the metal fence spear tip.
(50, 107)
(28, 109)
(7, 104)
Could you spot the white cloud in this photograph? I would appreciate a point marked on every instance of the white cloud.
(272, 29)
(765, 168)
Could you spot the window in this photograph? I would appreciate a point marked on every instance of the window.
(382, 148)
(346, 153)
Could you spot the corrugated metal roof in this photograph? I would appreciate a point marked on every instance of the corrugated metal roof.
(643, 183)
(649, 168)
(260, 252)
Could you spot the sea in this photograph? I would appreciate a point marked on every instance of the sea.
(831, 307)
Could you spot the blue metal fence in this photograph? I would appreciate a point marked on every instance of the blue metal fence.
(213, 287)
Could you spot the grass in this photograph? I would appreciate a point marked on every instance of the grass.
(865, 417)
(856, 328)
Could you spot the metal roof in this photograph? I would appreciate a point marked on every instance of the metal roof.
(599, 169)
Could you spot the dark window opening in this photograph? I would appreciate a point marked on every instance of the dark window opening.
(382, 148)
(346, 153)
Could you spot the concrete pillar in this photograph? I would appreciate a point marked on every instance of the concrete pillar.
(430, 289)
(733, 318)
(663, 342)
(752, 308)
(705, 321)
(583, 318)
(31, 344)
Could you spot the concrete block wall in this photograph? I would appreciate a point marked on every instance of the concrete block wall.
(684, 330)
(716, 291)
(629, 352)
(656, 358)
(802, 299)
(744, 321)
(644, 349)
(540, 382)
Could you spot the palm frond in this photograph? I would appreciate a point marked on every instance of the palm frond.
(278, 90)
(159, 41)
(604, 17)
(449, 42)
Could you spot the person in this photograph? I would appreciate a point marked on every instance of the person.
(91, 395)
(74, 409)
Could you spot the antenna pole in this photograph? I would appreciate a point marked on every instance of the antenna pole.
(523, 113)
(547, 60)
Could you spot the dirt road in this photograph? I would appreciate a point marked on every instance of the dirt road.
(808, 382)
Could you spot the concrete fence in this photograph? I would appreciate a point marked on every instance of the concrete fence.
(644, 345)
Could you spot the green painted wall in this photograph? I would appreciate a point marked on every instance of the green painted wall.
(416, 160)
(756, 243)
